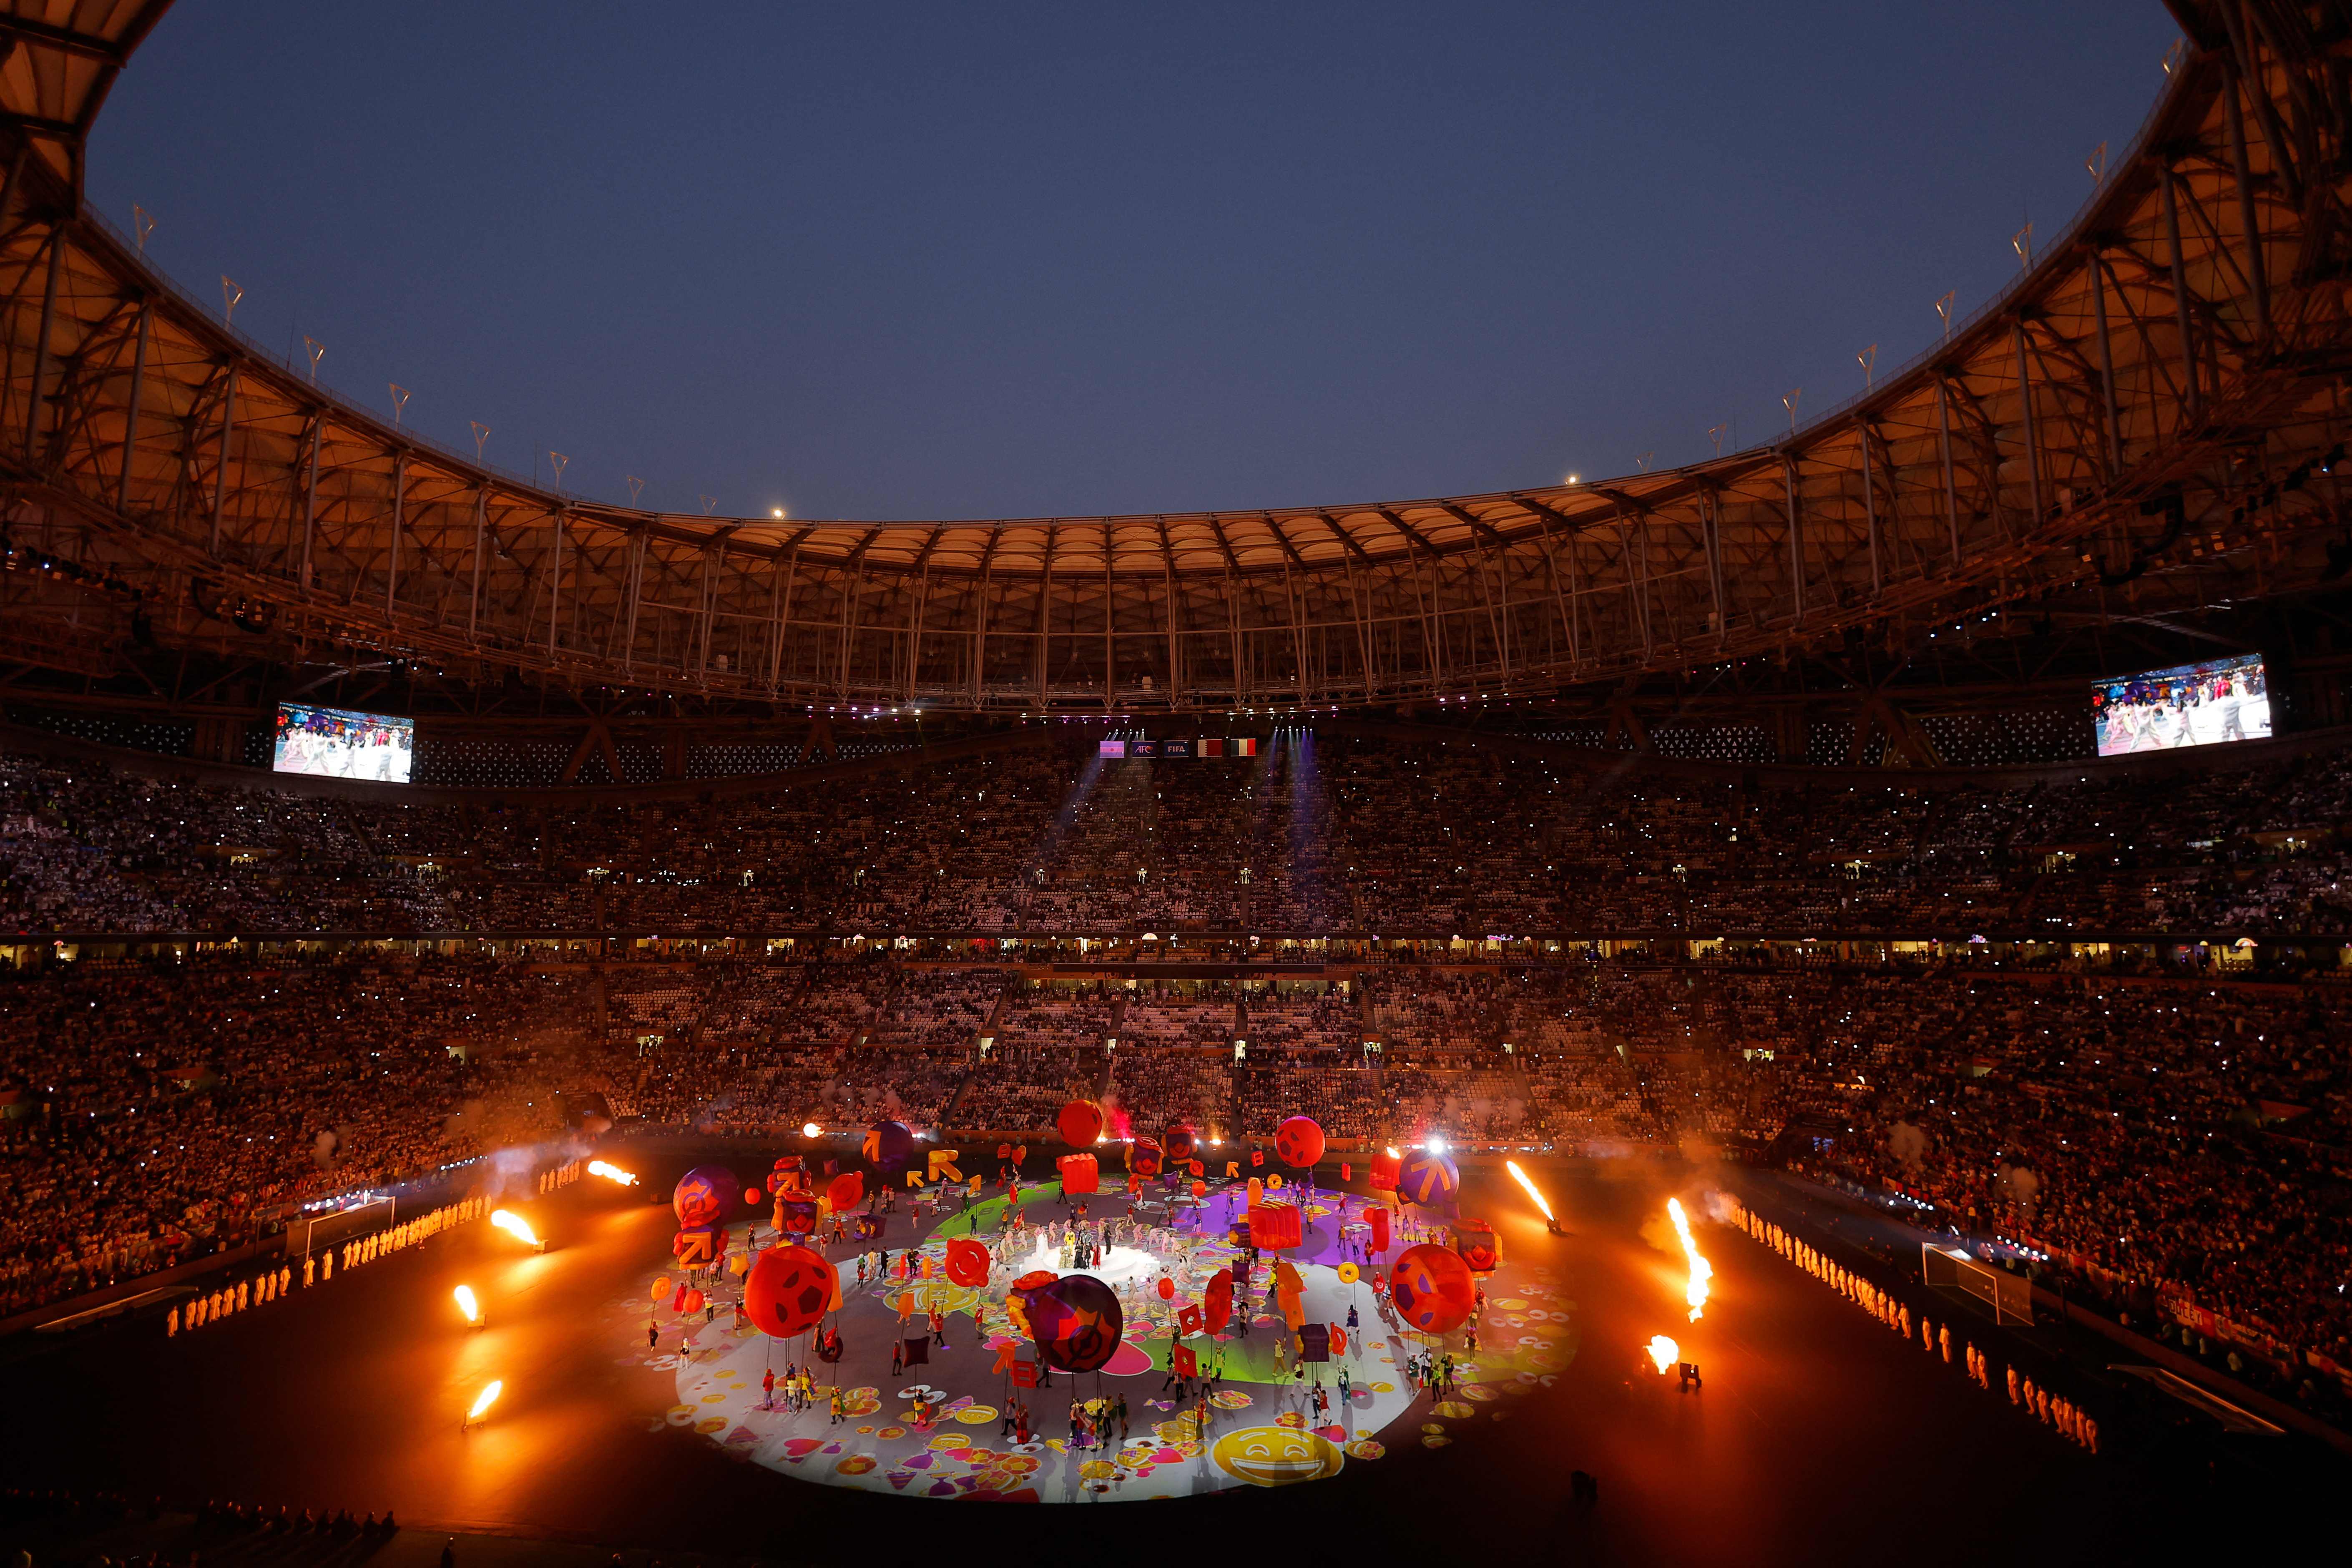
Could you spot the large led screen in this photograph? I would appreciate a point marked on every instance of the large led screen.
(2188, 705)
(343, 745)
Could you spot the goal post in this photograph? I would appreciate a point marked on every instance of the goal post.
(1951, 1268)
(305, 1233)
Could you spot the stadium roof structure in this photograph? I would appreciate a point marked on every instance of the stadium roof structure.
(2140, 425)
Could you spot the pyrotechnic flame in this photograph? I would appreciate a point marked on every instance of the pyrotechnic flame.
(612, 1173)
(1521, 1177)
(467, 1305)
(1701, 1270)
(483, 1400)
(811, 1130)
(511, 1223)
(1664, 1353)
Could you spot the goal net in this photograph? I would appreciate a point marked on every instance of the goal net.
(314, 1233)
(1949, 1268)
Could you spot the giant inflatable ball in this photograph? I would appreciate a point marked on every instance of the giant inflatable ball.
(1298, 1141)
(1074, 1320)
(788, 1290)
(700, 1196)
(1433, 1289)
(1080, 1123)
(1428, 1179)
(889, 1145)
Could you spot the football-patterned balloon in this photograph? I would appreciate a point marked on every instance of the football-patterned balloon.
(1181, 1142)
(1298, 1141)
(700, 1196)
(1080, 1123)
(1144, 1157)
(1074, 1320)
(788, 1290)
(968, 1261)
(1428, 1178)
(1433, 1289)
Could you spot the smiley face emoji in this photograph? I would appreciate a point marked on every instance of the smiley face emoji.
(1276, 1456)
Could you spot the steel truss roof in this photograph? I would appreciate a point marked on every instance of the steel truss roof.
(2146, 406)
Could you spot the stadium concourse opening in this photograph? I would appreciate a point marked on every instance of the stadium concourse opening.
(1784, 1009)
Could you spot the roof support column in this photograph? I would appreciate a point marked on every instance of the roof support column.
(2106, 366)
(1168, 586)
(980, 628)
(1869, 507)
(2179, 290)
(2025, 417)
(1711, 501)
(638, 547)
(783, 617)
(705, 611)
(1796, 535)
(555, 587)
(310, 499)
(849, 624)
(220, 462)
(391, 568)
(1943, 442)
(2256, 273)
(41, 346)
(915, 631)
(130, 420)
(482, 526)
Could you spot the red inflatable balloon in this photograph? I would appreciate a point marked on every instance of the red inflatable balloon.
(1274, 1227)
(788, 1290)
(1378, 1219)
(1298, 1141)
(1079, 1174)
(1217, 1301)
(1386, 1167)
(1074, 1320)
(847, 1190)
(751, 1196)
(968, 1261)
(1167, 1289)
(1080, 1123)
(1433, 1289)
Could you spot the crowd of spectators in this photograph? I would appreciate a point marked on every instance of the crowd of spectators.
(1354, 836)
(152, 1111)
(2173, 1136)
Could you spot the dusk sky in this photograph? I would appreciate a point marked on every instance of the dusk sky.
(918, 262)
